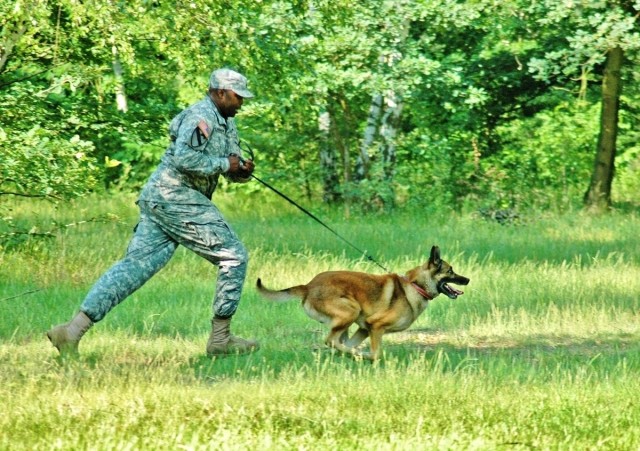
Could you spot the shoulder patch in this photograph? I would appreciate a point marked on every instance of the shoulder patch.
(204, 128)
(200, 135)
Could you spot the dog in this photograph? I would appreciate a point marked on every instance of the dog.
(378, 304)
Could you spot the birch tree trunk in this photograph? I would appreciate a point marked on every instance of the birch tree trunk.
(388, 131)
(384, 117)
(598, 196)
(363, 161)
(328, 160)
(384, 196)
(11, 35)
(341, 138)
(121, 97)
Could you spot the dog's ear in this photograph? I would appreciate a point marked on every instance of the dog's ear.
(434, 259)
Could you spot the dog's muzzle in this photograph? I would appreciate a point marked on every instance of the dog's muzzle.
(449, 291)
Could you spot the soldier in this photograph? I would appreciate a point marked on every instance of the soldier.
(176, 209)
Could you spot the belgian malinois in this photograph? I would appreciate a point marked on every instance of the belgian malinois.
(376, 303)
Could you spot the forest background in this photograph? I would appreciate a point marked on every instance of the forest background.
(477, 105)
(434, 111)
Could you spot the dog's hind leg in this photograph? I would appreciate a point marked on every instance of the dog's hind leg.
(358, 337)
(337, 336)
(341, 313)
(349, 347)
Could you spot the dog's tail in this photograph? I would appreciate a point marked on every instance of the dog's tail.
(288, 294)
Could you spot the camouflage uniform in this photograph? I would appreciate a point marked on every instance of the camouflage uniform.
(176, 209)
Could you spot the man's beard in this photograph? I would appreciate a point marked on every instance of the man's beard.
(228, 112)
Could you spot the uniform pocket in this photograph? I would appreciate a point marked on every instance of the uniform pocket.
(209, 234)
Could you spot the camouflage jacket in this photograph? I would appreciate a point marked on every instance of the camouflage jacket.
(201, 141)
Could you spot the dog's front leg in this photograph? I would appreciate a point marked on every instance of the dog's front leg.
(376, 342)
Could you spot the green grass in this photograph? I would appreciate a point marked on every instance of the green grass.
(542, 351)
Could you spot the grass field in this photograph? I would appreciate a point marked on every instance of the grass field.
(541, 352)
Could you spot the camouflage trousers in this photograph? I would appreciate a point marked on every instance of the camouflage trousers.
(161, 229)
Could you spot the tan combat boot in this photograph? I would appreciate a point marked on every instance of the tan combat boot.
(221, 342)
(65, 337)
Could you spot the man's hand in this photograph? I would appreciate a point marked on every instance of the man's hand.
(247, 167)
(239, 167)
(234, 163)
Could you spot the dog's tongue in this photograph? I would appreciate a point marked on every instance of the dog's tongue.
(452, 292)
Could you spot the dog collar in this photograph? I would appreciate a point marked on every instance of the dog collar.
(422, 291)
(418, 288)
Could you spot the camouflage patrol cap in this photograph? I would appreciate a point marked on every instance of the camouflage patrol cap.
(229, 79)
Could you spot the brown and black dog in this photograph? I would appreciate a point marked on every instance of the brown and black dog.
(376, 303)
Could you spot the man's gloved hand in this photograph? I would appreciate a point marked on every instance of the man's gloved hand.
(240, 168)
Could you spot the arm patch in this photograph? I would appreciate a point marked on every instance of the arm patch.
(200, 135)
(204, 128)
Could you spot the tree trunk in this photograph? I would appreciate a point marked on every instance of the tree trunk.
(341, 138)
(361, 171)
(121, 97)
(388, 131)
(12, 36)
(385, 196)
(328, 159)
(598, 196)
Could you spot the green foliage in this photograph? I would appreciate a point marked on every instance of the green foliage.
(590, 31)
(534, 167)
(626, 184)
(56, 167)
(42, 155)
(43, 150)
(478, 82)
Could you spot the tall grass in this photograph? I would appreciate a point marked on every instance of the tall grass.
(542, 351)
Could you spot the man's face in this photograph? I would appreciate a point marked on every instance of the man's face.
(228, 102)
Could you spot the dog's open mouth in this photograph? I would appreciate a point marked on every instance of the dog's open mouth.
(449, 291)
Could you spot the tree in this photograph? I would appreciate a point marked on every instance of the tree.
(598, 196)
(41, 154)
(376, 103)
(598, 34)
(328, 159)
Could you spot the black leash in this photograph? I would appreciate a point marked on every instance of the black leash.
(417, 287)
(311, 215)
(314, 217)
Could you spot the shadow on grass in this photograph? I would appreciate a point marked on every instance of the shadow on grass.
(525, 358)
(428, 339)
(531, 358)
